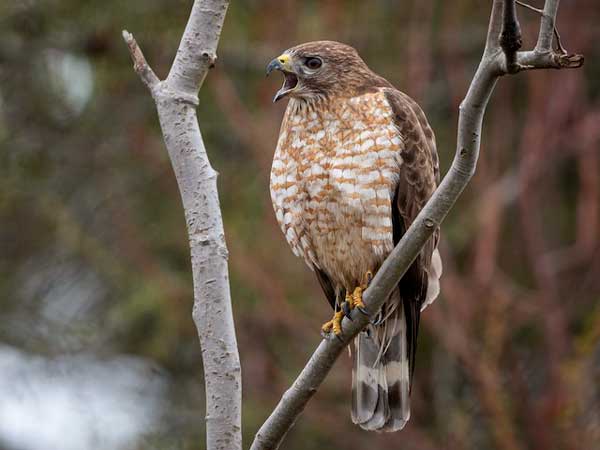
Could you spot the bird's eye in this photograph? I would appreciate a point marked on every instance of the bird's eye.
(313, 63)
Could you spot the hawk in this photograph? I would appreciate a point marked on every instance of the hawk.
(355, 162)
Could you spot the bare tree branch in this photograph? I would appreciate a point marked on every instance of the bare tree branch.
(559, 45)
(549, 60)
(544, 43)
(198, 46)
(493, 65)
(510, 37)
(140, 65)
(176, 98)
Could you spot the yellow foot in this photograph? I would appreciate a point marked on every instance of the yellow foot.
(355, 300)
(335, 324)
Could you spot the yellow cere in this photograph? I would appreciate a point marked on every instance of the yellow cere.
(284, 59)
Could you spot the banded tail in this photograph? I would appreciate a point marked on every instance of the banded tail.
(384, 359)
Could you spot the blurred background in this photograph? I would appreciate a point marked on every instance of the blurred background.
(97, 345)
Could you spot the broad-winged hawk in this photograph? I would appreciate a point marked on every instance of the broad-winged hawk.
(355, 162)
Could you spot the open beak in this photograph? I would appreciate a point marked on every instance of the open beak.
(283, 64)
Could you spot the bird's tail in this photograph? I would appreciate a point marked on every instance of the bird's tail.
(381, 374)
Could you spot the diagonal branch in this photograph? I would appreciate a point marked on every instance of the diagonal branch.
(493, 65)
(176, 98)
(140, 65)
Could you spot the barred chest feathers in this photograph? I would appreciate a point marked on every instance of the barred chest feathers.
(332, 181)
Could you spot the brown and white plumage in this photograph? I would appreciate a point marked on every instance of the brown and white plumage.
(355, 162)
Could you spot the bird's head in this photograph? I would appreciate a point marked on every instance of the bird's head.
(319, 69)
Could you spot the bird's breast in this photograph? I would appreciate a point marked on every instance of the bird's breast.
(332, 180)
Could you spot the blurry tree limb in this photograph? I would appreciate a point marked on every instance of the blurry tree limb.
(140, 65)
(176, 99)
(544, 43)
(510, 36)
(559, 46)
(494, 63)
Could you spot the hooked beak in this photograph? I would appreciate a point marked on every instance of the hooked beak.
(283, 64)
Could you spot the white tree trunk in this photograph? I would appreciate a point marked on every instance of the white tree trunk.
(176, 100)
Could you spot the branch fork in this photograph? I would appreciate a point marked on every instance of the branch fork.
(176, 99)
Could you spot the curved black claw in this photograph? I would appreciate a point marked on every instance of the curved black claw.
(362, 310)
(377, 320)
(346, 308)
(330, 335)
(369, 277)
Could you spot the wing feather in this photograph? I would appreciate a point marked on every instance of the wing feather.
(419, 175)
(385, 358)
(327, 286)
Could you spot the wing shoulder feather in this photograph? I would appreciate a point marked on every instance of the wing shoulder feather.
(418, 179)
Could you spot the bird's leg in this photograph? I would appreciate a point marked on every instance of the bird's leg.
(352, 301)
(347, 306)
(355, 300)
(335, 324)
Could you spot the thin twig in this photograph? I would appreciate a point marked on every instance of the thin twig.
(559, 45)
(544, 43)
(534, 60)
(140, 65)
(528, 6)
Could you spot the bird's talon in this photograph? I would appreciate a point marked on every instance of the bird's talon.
(335, 324)
(326, 327)
(357, 301)
(369, 278)
(347, 307)
(353, 300)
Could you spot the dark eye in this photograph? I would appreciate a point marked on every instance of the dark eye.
(313, 63)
